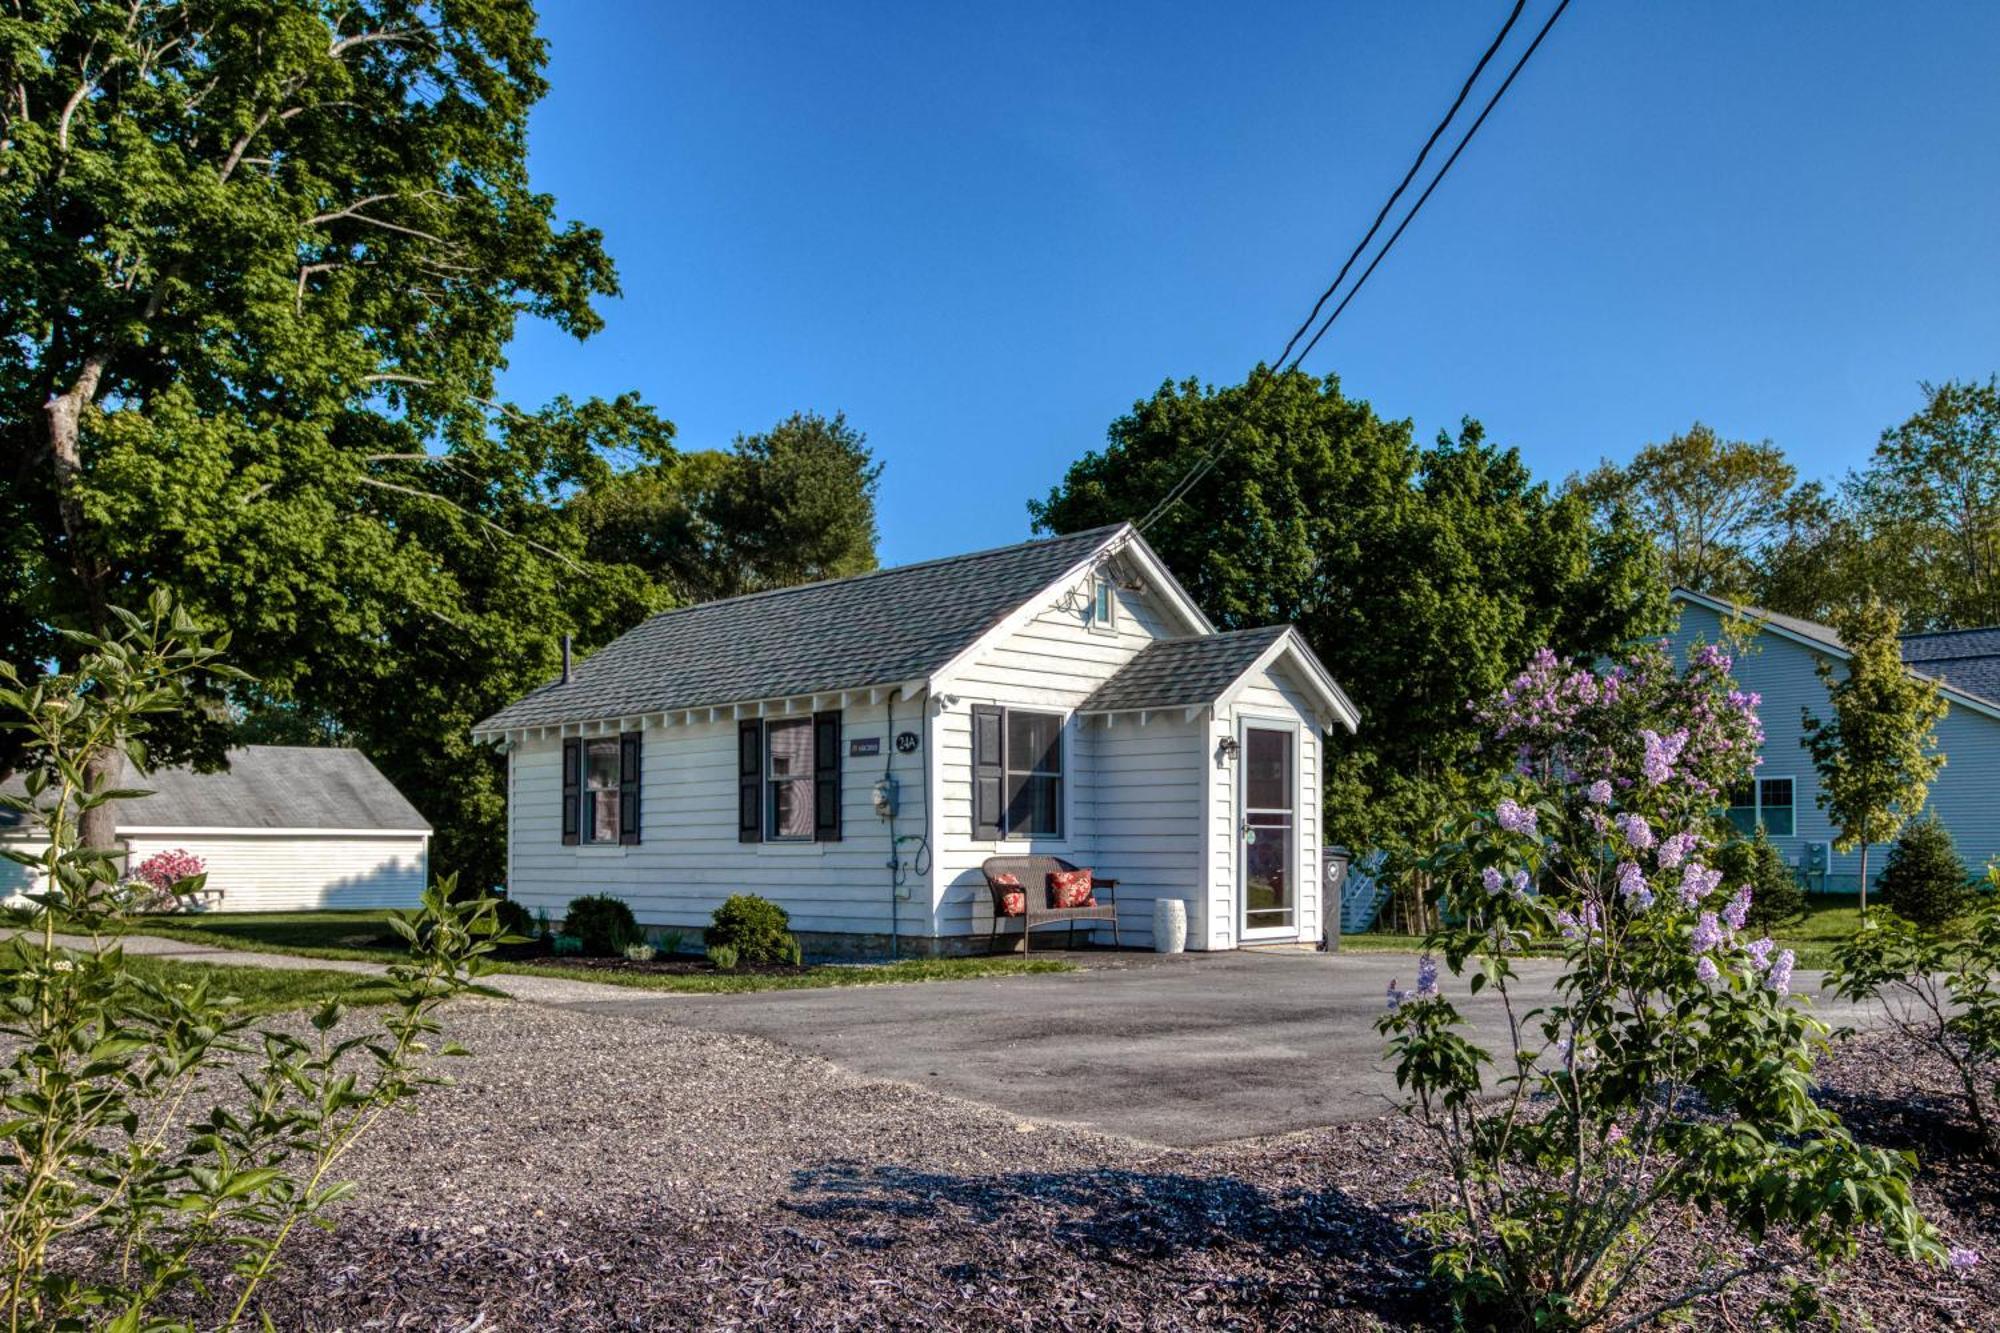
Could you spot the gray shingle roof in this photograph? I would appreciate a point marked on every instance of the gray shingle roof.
(883, 628)
(265, 786)
(1967, 660)
(1181, 673)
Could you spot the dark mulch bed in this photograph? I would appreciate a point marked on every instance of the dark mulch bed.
(598, 1174)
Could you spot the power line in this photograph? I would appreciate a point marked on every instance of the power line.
(1207, 462)
(1417, 207)
(1465, 90)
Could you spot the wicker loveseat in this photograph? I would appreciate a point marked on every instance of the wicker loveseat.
(1033, 872)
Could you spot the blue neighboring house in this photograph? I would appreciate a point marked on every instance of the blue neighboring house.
(1783, 669)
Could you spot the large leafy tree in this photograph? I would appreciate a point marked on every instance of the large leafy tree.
(1917, 528)
(1876, 751)
(789, 505)
(259, 262)
(1712, 505)
(1424, 577)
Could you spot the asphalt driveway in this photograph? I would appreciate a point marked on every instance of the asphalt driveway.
(1180, 1050)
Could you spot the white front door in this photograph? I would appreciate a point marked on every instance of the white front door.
(1267, 824)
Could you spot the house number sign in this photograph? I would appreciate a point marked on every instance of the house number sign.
(907, 742)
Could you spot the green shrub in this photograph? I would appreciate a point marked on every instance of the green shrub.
(604, 924)
(640, 953)
(1776, 896)
(1924, 881)
(670, 942)
(758, 930)
(723, 956)
(514, 919)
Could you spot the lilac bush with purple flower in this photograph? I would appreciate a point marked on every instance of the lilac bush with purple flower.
(1672, 1070)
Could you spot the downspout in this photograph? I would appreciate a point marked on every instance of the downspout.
(895, 872)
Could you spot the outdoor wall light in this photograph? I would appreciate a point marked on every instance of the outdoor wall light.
(1226, 748)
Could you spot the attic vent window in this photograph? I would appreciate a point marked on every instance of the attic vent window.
(1103, 605)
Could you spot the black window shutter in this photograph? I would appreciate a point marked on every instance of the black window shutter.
(572, 789)
(628, 787)
(989, 776)
(826, 776)
(750, 781)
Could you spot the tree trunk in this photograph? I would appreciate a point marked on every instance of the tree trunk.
(98, 828)
(1864, 881)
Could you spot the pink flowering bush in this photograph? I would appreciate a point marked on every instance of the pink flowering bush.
(164, 880)
(1671, 1073)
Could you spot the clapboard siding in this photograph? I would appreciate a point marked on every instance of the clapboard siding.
(284, 872)
(689, 860)
(1119, 807)
(1966, 795)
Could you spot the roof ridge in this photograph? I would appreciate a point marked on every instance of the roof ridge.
(878, 573)
(1949, 633)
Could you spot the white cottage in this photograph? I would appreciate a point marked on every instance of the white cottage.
(856, 749)
(1783, 669)
(283, 828)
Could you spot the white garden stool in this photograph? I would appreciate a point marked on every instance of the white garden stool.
(1169, 925)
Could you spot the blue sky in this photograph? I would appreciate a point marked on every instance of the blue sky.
(983, 232)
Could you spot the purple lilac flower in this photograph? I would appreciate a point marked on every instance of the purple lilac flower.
(1395, 996)
(1615, 1134)
(1707, 933)
(1706, 970)
(1632, 885)
(1637, 832)
(1760, 952)
(1599, 792)
(1515, 817)
(1962, 1258)
(1427, 977)
(1676, 849)
(1662, 753)
(1697, 882)
(1780, 977)
(1520, 883)
(1738, 911)
(1568, 925)
(1491, 880)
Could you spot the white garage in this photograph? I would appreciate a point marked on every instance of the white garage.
(284, 828)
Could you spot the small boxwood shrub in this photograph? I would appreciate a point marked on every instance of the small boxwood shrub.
(514, 919)
(1776, 896)
(723, 957)
(1924, 881)
(604, 924)
(757, 929)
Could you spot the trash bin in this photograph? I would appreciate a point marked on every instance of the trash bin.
(1169, 925)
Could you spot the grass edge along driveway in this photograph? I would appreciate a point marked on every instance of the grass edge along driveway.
(256, 991)
(360, 936)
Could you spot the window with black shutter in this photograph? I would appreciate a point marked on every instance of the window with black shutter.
(989, 772)
(628, 788)
(750, 781)
(826, 776)
(572, 790)
(1017, 773)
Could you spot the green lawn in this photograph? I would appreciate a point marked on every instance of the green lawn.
(811, 978)
(255, 990)
(1830, 918)
(362, 936)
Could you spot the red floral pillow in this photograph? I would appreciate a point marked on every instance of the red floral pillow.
(1013, 897)
(1071, 888)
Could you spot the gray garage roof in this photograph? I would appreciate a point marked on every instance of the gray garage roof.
(266, 787)
(882, 628)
